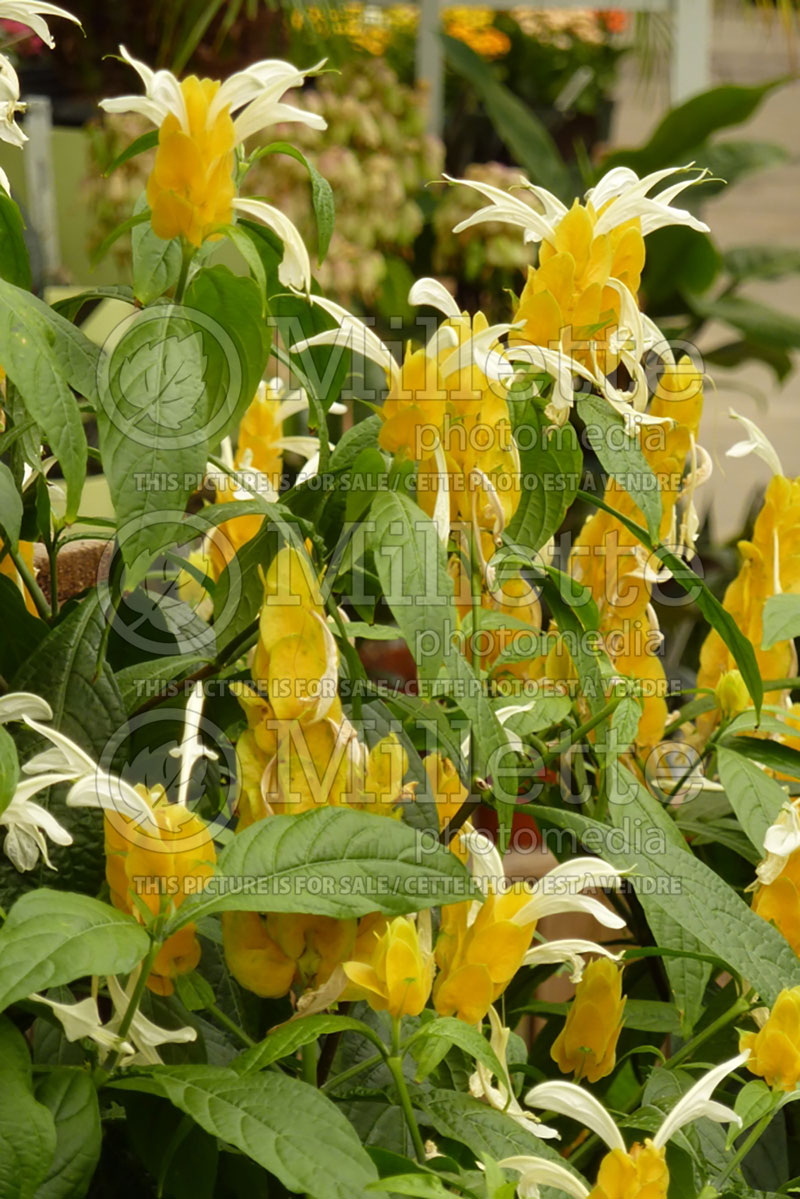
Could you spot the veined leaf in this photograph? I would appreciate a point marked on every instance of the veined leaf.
(53, 937)
(291, 1129)
(331, 861)
(71, 1097)
(781, 621)
(551, 468)
(27, 1133)
(754, 796)
(621, 455)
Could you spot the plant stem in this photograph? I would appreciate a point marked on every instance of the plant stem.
(395, 1064)
(743, 1150)
(236, 646)
(739, 1008)
(132, 1008)
(580, 732)
(31, 586)
(187, 254)
(230, 1025)
(52, 558)
(476, 580)
(352, 1071)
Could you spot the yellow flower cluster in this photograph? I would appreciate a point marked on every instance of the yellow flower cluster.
(770, 566)
(567, 301)
(372, 29)
(475, 27)
(299, 752)
(587, 1044)
(190, 189)
(779, 901)
(608, 559)
(775, 1048)
(177, 846)
(391, 968)
(639, 1174)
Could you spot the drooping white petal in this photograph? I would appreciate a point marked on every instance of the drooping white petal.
(82, 1019)
(145, 1035)
(567, 1099)
(64, 755)
(508, 209)
(111, 794)
(441, 508)
(697, 1102)
(295, 268)
(353, 334)
(19, 704)
(191, 749)
(570, 950)
(31, 12)
(755, 443)
(537, 1171)
(433, 294)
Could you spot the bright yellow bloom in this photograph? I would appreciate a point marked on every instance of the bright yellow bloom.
(775, 1048)
(609, 560)
(181, 848)
(475, 27)
(639, 1174)
(587, 1044)
(397, 979)
(567, 301)
(779, 901)
(771, 566)
(477, 961)
(190, 190)
(446, 786)
(414, 406)
(268, 954)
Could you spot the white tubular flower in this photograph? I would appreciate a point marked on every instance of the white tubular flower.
(19, 704)
(755, 443)
(567, 1099)
(191, 749)
(145, 1035)
(536, 1172)
(781, 840)
(501, 1097)
(82, 1019)
(32, 14)
(560, 891)
(620, 196)
(295, 268)
(29, 824)
(255, 94)
(572, 951)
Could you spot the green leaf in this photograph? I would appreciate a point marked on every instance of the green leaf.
(761, 262)
(54, 937)
(10, 508)
(781, 621)
(551, 463)
(227, 311)
(138, 683)
(71, 1097)
(411, 563)
(671, 882)
(754, 796)
(321, 194)
(285, 1040)
(27, 1133)
(286, 1126)
(43, 355)
(29, 630)
(15, 264)
(459, 1117)
(753, 1101)
(734, 353)
(9, 769)
(489, 741)
(689, 124)
(428, 1045)
(333, 862)
(99, 253)
(424, 1186)
(679, 260)
(153, 431)
(147, 141)
(758, 322)
(783, 758)
(523, 133)
(156, 263)
(620, 454)
(70, 307)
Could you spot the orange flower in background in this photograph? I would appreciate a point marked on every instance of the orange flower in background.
(151, 868)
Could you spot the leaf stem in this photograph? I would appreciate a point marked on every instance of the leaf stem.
(395, 1064)
(187, 254)
(231, 1025)
(132, 1008)
(739, 1008)
(352, 1071)
(31, 586)
(743, 1150)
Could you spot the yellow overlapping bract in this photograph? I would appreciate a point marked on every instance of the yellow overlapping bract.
(609, 559)
(478, 960)
(176, 853)
(300, 752)
(775, 1048)
(587, 1044)
(770, 566)
(190, 189)
(639, 1174)
(393, 970)
(567, 301)
(779, 901)
(466, 415)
